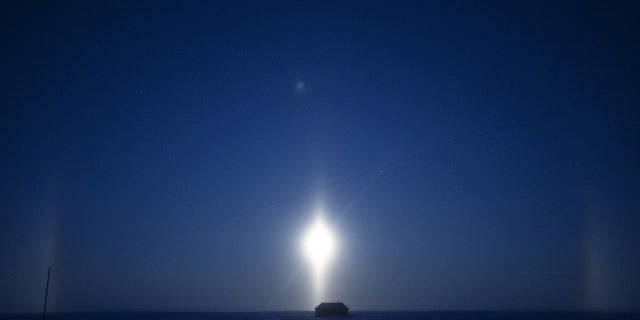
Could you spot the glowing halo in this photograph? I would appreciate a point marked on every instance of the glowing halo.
(319, 246)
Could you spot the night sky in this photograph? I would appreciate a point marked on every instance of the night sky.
(467, 155)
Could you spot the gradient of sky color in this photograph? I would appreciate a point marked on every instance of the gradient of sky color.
(154, 154)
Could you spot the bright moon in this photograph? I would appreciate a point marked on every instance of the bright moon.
(319, 246)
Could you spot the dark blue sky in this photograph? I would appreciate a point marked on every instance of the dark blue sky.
(154, 154)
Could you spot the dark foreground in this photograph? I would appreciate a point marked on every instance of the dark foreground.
(354, 315)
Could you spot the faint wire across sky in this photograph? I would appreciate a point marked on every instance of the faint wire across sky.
(369, 172)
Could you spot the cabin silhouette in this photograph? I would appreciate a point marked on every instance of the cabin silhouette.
(332, 309)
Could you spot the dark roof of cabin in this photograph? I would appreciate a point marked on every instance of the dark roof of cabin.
(331, 306)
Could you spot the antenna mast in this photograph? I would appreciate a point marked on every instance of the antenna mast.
(46, 294)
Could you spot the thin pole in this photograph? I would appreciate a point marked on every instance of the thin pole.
(46, 294)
